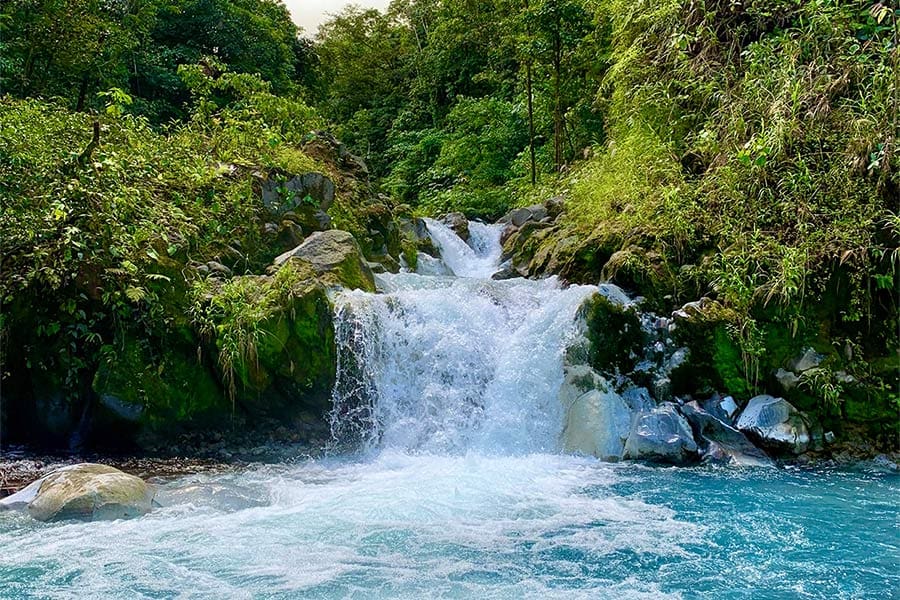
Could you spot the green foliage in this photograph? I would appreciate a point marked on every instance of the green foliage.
(756, 143)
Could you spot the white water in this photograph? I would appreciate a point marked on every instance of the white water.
(455, 364)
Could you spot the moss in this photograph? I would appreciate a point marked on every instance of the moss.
(270, 332)
(615, 334)
(155, 388)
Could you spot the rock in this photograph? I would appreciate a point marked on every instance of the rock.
(810, 359)
(615, 333)
(519, 216)
(555, 206)
(458, 223)
(335, 255)
(506, 272)
(775, 425)
(597, 424)
(661, 436)
(85, 491)
(788, 380)
(829, 437)
(578, 380)
(598, 419)
(724, 442)
(309, 190)
(218, 268)
(538, 212)
(638, 399)
(728, 406)
(615, 295)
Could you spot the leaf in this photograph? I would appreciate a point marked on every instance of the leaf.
(135, 294)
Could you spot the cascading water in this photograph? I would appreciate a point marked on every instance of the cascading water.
(455, 364)
(452, 382)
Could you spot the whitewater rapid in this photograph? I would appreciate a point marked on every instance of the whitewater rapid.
(452, 364)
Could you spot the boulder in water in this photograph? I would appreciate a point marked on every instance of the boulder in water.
(662, 435)
(458, 223)
(597, 424)
(336, 257)
(775, 425)
(85, 491)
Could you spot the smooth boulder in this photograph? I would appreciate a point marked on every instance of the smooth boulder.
(84, 491)
(336, 257)
(662, 435)
(598, 419)
(775, 425)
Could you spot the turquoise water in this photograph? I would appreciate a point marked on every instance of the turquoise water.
(534, 526)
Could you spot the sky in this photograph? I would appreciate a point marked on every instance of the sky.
(309, 14)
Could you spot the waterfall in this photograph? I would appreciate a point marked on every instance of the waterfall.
(440, 364)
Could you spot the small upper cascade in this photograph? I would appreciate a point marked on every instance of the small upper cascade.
(479, 258)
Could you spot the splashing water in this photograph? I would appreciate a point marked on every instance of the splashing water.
(449, 384)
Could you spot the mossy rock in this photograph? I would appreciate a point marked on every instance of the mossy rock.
(336, 258)
(144, 389)
(714, 359)
(615, 334)
(274, 336)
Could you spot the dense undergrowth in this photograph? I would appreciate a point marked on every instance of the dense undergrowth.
(752, 156)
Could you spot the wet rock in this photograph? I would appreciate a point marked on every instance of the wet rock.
(336, 256)
(728, 406)
(775, 425)
(638, 399)
(661, 436)
(723, 443)
(84, 491)
(458, 223)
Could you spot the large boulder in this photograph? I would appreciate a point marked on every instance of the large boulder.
(336, 257)
(722, 442)
(775, 425)
(85, 491)
(597, 418)
(662, 435)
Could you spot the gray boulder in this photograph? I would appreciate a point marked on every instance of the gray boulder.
(85, 491)
(615, 295)
(597, 424)
(774, 425)
(336, 257)
(723, 443)
(662, 435)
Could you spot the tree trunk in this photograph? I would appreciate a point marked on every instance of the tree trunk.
(557, 97)
(530, 92)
